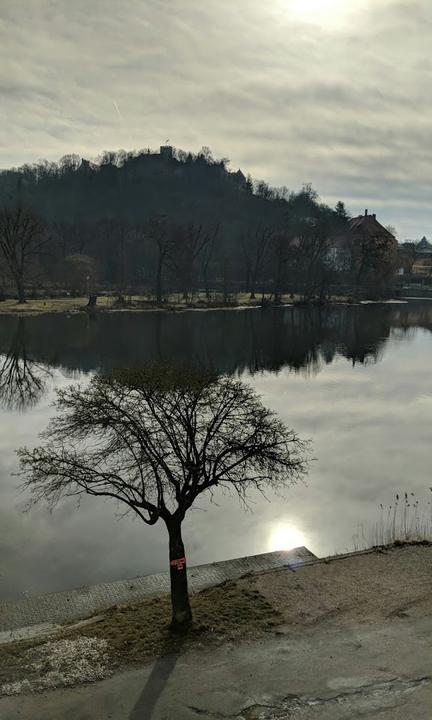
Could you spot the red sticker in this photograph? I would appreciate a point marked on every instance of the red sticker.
(180, 563)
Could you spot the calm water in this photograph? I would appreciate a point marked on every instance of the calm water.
(357, 380)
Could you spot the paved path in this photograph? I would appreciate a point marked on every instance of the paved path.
(75, 604)
(381, 671)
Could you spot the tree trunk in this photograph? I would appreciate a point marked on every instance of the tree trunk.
(253, 281)
(206, 283)
(181, 611)
(159, 283)
(21, 291)
(248, 281)
(225, 282)
(277, 283)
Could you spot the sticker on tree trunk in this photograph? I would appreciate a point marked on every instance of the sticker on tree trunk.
(179, 564)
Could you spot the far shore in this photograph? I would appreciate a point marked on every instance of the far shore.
(137, 304)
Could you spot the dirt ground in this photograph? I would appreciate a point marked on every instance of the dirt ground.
(370, 587)
(379, 586)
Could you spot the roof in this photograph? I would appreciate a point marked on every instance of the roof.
(424, 244)
(369, 224)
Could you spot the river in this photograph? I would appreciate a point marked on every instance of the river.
(354, 379)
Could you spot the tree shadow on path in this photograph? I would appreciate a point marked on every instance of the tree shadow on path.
(158, 678)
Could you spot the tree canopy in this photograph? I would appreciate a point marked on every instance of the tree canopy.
(155, 438)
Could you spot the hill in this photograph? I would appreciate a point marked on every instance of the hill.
(169, 221)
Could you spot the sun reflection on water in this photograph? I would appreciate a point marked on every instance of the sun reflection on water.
(286, 536)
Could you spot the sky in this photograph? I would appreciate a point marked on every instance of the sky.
(332, 92)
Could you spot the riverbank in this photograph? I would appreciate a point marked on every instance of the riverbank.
(107, 304)
(383, 587)
(138, 304)
(69, 606)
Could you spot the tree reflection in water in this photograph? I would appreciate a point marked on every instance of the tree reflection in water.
(22, 380)
(233, 342)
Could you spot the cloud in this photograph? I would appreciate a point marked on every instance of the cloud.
(288, 100)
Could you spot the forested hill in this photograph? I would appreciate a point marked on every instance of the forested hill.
(140, 185)
(164, 221)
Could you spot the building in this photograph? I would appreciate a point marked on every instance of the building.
(365, 232)
(368, 226)
(417, 257)
(166, 152)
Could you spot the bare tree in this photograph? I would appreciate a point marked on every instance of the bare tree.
(392, 230)
(80, 274)
(155, 439)
(256, 244)
(206, 258)
(281, 254)
(159, 234)
(22, 237)
(311, 257)
(191, 240)
(74, 238)
(117, 236)
(373, 259)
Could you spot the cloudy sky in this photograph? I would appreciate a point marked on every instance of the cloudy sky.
(333, 92)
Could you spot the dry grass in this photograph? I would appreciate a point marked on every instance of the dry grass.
(135, 303)
(390, 583)
(12, 665)
(138, 632)
(49, 306)
(406, 520)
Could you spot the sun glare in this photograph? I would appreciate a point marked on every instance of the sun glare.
(330, 13)
(316, 6)
(286, 537)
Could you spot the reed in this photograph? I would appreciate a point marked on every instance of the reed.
(406, 520)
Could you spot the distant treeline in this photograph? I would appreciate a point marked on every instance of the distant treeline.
(170, 221)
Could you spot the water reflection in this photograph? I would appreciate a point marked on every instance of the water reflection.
(304, 340)
(355, 379)
(286, 537)
(22, 380)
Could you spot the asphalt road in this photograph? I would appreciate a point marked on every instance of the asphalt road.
(364, 671)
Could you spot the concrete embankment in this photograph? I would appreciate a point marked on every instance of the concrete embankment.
(70, 605)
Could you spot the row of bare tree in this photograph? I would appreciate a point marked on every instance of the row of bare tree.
(307, 254)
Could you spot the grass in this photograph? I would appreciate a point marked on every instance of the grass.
(405, 521)
(138, 632)
(12, 667)
(49, 305)
(134, 303)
